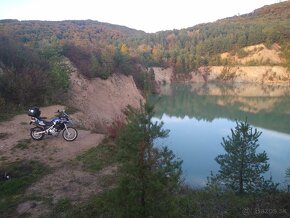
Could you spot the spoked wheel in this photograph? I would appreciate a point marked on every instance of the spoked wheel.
(70, 134)
(35, 133)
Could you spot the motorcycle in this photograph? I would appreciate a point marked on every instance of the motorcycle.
(62, 122)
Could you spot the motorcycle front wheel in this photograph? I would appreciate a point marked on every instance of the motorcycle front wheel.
(34, 133)
(70, 134)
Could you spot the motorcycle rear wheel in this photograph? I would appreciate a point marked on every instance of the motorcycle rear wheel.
(34, 133)
(70, 134)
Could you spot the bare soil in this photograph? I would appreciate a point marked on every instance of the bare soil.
(258, 53)
(51, 150)
(100, 101)
(163, 75)
(66, 178)
(97, 102)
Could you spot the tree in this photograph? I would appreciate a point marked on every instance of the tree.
(23, 74)
(149, 176)
(124, 49)
(241, 168)
(122, 62)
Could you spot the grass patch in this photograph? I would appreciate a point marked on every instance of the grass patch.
(22, 144)
(6, 115)
(190, 203)
(3, 158)
(101, 205)
(62, 208)
(101, 156)
(22, 174)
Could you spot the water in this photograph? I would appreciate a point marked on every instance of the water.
(200, 115)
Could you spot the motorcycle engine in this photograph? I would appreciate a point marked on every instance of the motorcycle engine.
(53, 131)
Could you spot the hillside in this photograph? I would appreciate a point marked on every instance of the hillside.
(255, 64)
(251, 64)
(34, 31)
(271, 11)
(31, 51)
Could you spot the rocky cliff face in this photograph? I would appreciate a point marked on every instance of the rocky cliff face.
(252, 64)
(250, 74)
(100, 101)
(240, 74)
(163, 75)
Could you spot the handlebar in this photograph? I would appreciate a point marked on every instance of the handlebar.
(58, 111)
(62, 113)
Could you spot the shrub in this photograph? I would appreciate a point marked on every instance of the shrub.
(114, 128)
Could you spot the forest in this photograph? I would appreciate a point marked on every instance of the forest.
(33, 53)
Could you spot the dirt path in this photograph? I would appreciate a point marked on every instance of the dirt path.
(67, 179)
(16, 142)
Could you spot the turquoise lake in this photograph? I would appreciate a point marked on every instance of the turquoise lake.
(200, 115)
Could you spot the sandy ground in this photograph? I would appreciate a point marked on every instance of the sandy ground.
(51, 150)
(65, 180)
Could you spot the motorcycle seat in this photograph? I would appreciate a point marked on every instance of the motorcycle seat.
(46, 122)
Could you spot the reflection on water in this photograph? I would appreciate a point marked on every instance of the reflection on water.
(199, 115)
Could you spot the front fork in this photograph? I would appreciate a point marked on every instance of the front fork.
(65, 126)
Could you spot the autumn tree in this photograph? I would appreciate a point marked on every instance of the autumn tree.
(241, 168)
(124, 49)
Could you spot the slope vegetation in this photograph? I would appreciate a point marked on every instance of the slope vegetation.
(31, 53)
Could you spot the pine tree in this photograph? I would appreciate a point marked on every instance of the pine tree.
(149, 176)
(241, 168)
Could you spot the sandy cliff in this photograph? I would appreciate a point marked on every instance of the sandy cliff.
(163, 75)
(253, 74)
(252, 64)
(100, 101)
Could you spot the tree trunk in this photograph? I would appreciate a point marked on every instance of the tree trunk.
(241, 176)
(241, 183)
(142, 178)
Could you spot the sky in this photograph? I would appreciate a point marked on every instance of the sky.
(147, 15)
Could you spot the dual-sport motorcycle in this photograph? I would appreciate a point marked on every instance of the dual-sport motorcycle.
(53, 127)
